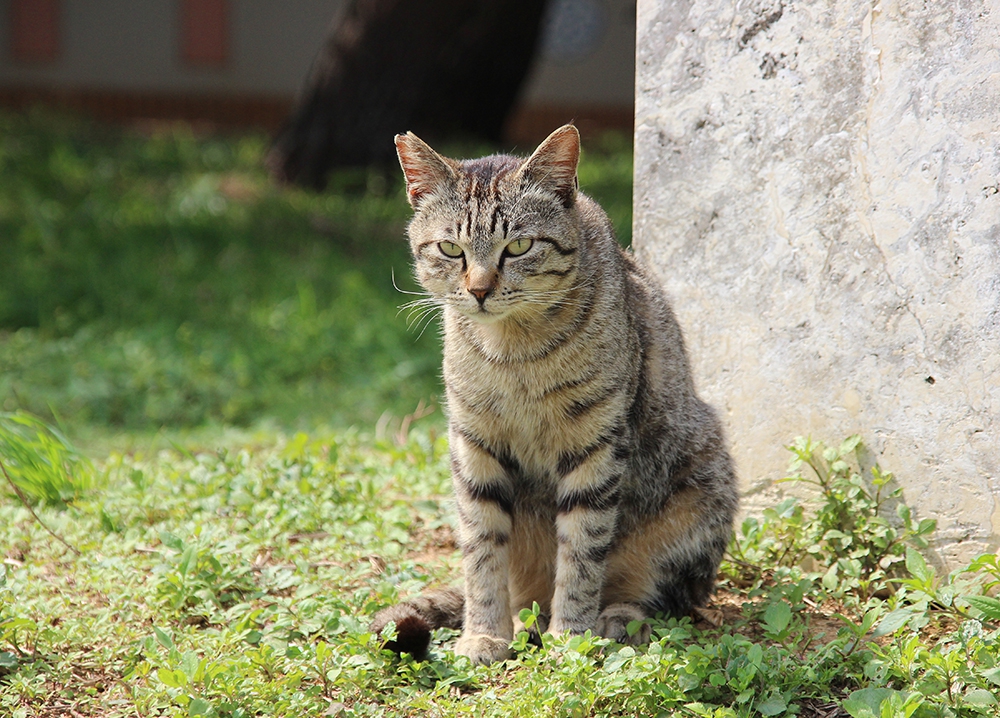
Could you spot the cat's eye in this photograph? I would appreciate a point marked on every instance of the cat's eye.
(450, 249)
(519, 247)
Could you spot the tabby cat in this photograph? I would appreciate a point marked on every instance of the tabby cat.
(588, 475)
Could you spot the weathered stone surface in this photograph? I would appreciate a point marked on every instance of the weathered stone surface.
(818, 185)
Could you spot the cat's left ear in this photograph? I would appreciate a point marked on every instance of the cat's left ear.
(425, 170)
(554, 163)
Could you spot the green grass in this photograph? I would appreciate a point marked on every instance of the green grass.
(159, 279)
(237, 579)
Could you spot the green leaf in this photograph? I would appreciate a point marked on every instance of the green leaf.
(777, 616)
(41, 462)
(774, 705)
(19, 624)
(839, 466)
(189, 664)
(992, 675)
(389, 631)
(171, 541)
(866, 703)
(700, 709)
(987, 605)
(868, 621)
(830, 581)
(893, 621)
(850, 444)
(918, 567)
(527, 618)
(618, 659)
(7, 660)
(634, 627)
(980, 697)
(173, 679)
(163, 638)
(188, 558)
(199, 707)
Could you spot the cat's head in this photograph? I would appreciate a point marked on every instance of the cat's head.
(495, 237)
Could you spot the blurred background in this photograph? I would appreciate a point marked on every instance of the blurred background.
(201, 222)
(240, 63)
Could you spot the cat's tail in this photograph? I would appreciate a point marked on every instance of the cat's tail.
(417, 617)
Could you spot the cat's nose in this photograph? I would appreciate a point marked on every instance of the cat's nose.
(480, 293)
(481, 281)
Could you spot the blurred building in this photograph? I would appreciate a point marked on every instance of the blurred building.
(240, 62)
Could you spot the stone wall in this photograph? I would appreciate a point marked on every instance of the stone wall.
(817, 183)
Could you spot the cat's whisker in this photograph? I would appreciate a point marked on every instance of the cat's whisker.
(427, 324)
(418, 309)
(414, 315)
(417, 327)
(427, 301)
(392, 274)
(429, 308)
(416, 318)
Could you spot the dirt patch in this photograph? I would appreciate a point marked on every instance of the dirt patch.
(439, 546)
(89, 690)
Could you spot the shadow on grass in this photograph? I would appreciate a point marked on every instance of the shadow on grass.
(159, 279)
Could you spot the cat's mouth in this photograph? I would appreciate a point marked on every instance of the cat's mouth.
(483, 314)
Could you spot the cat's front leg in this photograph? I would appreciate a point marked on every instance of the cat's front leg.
(586, 515)
(484, 499)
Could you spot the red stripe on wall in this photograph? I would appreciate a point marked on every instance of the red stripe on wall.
(205, 32)
(34, 30)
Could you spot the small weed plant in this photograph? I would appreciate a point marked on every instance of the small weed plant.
(40, 464)
(917, 644)
(860, 530)
(238, 581)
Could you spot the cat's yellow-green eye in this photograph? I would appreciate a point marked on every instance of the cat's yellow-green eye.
(450, 249)
(519, 247)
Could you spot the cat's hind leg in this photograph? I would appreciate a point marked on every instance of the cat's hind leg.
(614, 620)
(669, 563)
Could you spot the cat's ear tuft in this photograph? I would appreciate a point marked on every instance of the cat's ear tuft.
(425, 170)
(554, 163)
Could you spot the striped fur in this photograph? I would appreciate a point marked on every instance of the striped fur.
(588, 476)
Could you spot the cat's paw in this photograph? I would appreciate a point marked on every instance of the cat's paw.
(483, 649)
(613, 623)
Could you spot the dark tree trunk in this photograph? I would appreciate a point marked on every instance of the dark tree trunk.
(436, 67)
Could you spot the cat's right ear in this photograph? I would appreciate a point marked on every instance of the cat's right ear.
(425, 170)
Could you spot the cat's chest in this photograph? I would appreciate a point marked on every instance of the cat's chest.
(527, 410)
